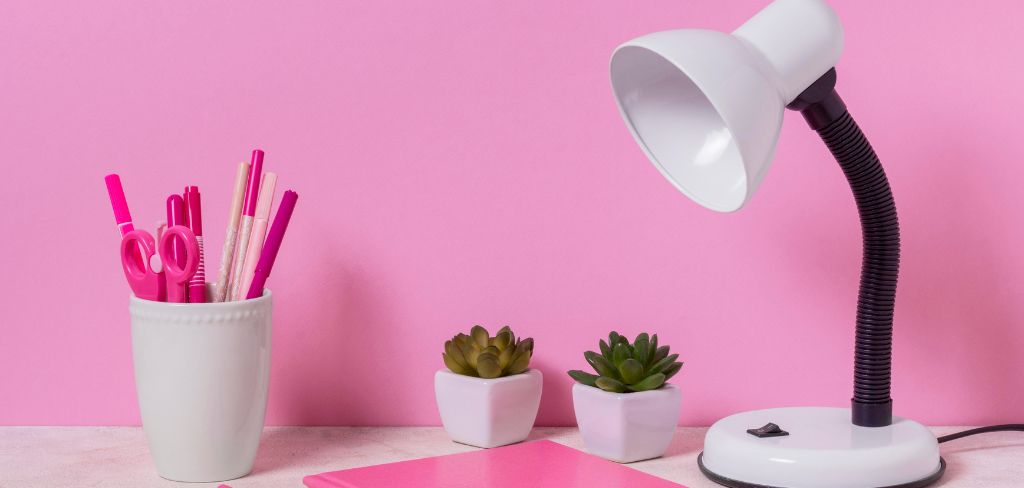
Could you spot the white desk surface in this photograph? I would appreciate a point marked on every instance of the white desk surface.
(118, 456)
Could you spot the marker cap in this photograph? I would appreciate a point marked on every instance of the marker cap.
(252, 188)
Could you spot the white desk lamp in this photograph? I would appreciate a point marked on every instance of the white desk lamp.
(706, 107)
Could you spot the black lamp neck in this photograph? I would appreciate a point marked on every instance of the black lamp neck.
(826, 113)
(819, 103)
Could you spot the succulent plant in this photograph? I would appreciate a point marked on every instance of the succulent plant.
(623, 367)
(479, 354)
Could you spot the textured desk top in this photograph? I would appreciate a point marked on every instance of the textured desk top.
(118, 456)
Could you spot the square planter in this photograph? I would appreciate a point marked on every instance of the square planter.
(488, 412)
(626, 427)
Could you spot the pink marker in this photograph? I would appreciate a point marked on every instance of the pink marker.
(121, 214)
(185, 205)
(273, 244)
(259, 231)
(197, 284)
(120, 204)
(252, 192)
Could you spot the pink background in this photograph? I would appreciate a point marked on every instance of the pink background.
(462, 162)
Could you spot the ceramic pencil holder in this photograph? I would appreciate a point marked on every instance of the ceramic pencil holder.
(202, 371)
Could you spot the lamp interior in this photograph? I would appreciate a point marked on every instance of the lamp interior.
(679, 128)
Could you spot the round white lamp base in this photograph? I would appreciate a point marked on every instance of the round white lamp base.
(823, 449)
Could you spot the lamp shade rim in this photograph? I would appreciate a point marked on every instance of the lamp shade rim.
(752, 162)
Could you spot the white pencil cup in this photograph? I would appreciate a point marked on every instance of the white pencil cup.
(202, 372)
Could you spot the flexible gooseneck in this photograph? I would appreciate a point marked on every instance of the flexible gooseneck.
(826, 113)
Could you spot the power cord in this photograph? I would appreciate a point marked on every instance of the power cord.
(982, 430)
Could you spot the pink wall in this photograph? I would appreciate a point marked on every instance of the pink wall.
(463, 162)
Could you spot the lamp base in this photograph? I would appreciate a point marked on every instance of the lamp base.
(818, 447)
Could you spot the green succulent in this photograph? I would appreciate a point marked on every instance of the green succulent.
(479, 354)
(623, 367)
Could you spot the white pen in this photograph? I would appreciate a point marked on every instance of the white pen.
(259, 230)
(228, 254)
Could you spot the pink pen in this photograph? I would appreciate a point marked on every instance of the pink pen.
(259, 230)
(197, 285)
(273, 244)
(175, 216)
(252, 191)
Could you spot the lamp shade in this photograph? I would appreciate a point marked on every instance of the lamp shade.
(706, 107)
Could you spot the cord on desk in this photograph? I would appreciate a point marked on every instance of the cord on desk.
(982, 430)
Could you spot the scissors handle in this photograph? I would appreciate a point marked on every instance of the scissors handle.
(177, 275)
(137, 249)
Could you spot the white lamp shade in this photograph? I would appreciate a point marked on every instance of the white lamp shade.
(706, 107)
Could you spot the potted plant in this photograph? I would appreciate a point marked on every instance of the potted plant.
(488, 396)
(627, 411)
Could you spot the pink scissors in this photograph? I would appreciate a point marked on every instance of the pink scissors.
(165, 279)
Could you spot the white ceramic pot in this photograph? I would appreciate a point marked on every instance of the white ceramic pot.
(201, 371)
(626, 427)
(488, 412)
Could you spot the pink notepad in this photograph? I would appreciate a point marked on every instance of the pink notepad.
(539, 464)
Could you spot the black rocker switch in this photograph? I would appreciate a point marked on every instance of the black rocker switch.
(768, 430)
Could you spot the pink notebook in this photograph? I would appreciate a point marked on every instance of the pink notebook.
(538, 464)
